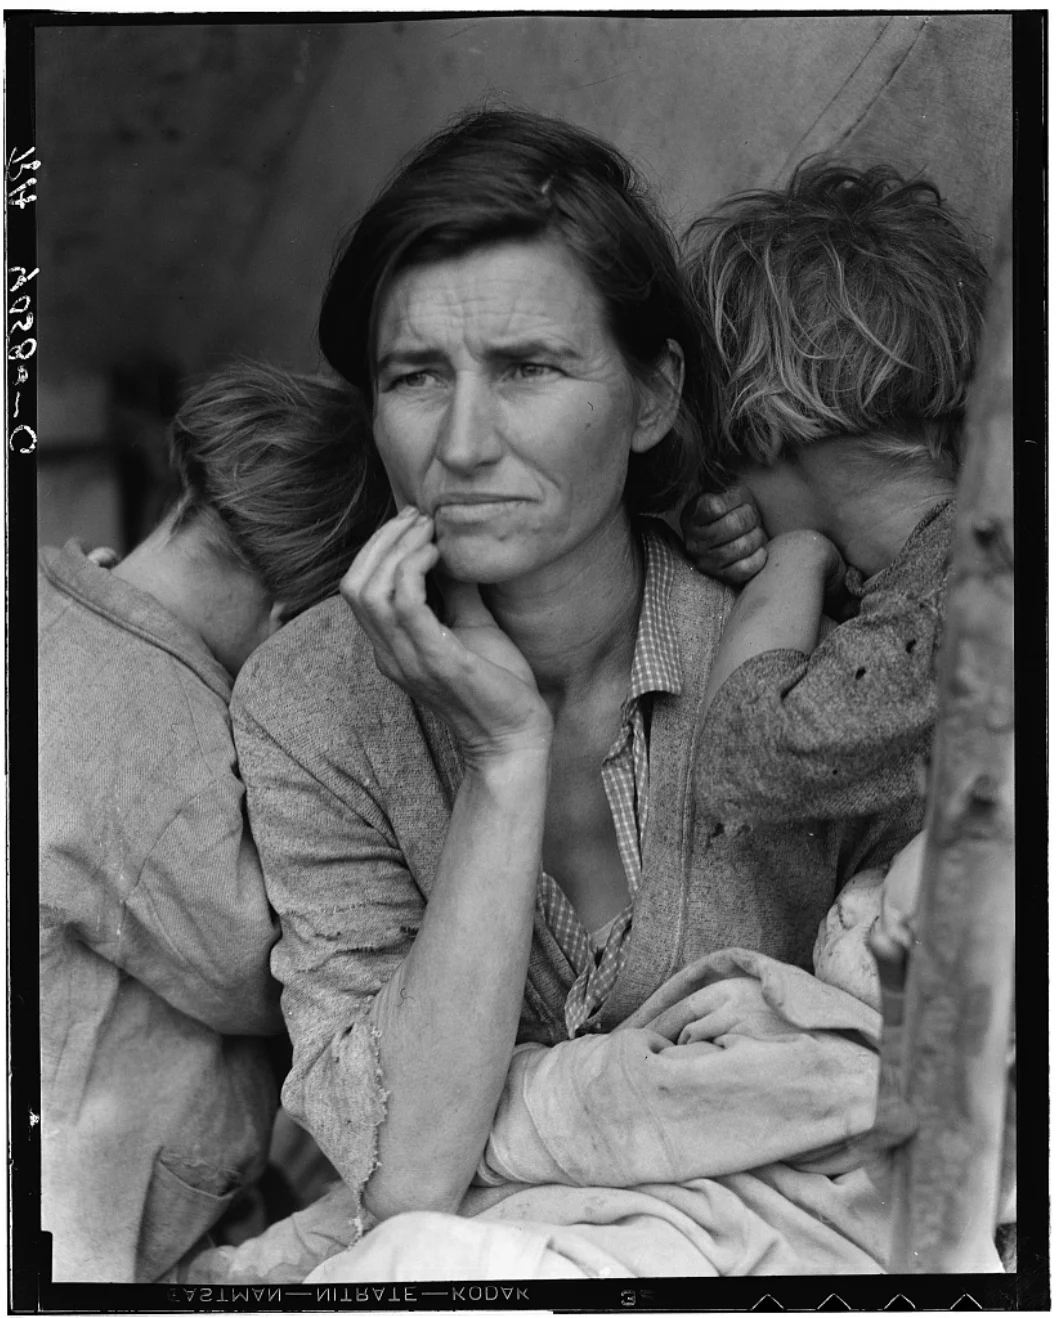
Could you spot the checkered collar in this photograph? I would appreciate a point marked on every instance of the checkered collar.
(657, 664)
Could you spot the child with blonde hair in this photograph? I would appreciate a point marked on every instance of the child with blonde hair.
(843, 312)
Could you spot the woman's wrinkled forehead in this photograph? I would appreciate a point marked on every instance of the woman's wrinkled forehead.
(549, 244)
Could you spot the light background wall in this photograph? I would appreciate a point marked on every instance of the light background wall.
(196, 177)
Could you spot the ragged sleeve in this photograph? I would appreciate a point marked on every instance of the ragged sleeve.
(348, 907)
(841, 733)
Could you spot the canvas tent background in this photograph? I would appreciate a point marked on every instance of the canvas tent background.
(196, 177)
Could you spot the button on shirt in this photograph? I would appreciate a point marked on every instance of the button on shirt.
(625, 775)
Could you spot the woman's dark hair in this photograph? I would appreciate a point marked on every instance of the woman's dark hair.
(849, 302)
(497, 175)
(275, 466)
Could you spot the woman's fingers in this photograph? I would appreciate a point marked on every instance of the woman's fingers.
(385, 586)
(408, 579)
(416, 633)
(467, 669)
(370, 581)
(374, 553)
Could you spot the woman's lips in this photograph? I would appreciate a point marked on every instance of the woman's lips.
(472, 508)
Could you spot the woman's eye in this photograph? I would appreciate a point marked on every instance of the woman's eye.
(531, 370)
(410, 380)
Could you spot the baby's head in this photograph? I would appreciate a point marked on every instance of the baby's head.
(847, 304)
(274, 468)
(842, 956)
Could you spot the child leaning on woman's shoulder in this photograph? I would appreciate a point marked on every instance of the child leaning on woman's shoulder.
(845, 311)
(158, 1082)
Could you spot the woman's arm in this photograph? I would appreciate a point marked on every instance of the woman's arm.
(403, 1015)
(448, 1017)
(447, 1020)
(763, 1066)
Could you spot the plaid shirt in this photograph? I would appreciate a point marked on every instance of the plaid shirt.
(625, 775)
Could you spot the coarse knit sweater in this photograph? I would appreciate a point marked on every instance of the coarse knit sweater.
(846, 731)
(350, 786)
(157, 1089)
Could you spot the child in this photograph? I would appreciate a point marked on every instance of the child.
(875, 920)
(874, 908)
(844, 312)
(157, 1087)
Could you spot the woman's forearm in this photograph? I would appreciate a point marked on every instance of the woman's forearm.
(448, 1018)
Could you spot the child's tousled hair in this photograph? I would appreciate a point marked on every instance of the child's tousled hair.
(848, 303)
(276, 466)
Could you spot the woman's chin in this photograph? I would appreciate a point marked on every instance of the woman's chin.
(482, 560)
(476, 569)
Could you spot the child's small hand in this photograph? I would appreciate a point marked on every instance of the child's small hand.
(724, 535)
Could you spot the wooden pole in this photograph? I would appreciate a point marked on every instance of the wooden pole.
(958, 992)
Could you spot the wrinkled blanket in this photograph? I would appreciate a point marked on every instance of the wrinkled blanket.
(736, 1063)
(718, 1132)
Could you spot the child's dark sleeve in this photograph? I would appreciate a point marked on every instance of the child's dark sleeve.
(841, 733)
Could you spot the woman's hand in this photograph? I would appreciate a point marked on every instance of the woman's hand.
(447, 1018)
(468, 671)
(724, 535)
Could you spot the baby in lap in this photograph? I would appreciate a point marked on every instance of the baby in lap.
(873, 903)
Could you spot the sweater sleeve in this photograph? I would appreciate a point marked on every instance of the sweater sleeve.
(841, 733)
(349, 909)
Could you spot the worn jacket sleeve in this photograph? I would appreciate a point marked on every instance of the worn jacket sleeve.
(349, 910)
(194, 924)
(843, 732)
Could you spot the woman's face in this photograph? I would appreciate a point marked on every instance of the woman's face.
(504, 408)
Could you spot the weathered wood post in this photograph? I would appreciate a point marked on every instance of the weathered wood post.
(959, 984)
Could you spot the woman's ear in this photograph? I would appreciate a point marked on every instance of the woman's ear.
(659, 398)
(276, 617)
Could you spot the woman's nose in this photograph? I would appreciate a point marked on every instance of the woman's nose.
(469, 436)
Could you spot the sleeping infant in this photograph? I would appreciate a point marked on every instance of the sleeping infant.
(842, 956)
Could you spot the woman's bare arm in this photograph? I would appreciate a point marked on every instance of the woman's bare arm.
(448, 1017)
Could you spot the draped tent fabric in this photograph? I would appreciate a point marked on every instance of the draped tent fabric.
(203, 173)
(705, 106)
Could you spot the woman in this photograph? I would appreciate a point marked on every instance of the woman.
(158, 1085)
(504, 835)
